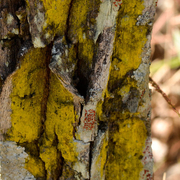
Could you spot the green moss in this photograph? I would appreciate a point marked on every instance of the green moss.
(129, 83)
(27, 96)
(128, 46)
(126, 145)
(129, 42)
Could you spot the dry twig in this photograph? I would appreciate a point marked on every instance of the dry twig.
(158, 89)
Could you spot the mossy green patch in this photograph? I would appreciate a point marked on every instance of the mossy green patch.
(27, 96)
(126, 144)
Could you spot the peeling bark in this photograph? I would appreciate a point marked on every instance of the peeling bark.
(75, 102)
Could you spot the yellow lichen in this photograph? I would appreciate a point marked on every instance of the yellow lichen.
(126, 147)
(51, 156)
(60, 117)
(56, 14)
(86, 51)
(128, 85)
(27, 96)
(29, 84)
(78, 18)
(99, 110)
(27, 4)
(35, 166)
(72, 55)
(128, 134)
(125, 142)
(129, 40)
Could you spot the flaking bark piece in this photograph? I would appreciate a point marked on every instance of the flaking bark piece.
(37, 20)
(64, 66)
(83, 163)
(87, 131)
(102, 62)
(99, 160)
(5, 107)
(8, 25)
(24, 26)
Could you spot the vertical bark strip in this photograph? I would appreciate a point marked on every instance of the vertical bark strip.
(75, 102)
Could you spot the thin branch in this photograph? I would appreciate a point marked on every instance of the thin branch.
(158, 89)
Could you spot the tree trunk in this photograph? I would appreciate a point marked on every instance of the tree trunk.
(75, 102)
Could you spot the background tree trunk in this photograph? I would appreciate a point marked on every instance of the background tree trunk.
(75, 102)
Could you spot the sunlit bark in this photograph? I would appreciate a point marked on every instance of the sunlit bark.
(75, 102)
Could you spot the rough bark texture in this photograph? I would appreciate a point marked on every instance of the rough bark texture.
(75, 102)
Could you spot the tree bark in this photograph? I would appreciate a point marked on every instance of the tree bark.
(75, 102)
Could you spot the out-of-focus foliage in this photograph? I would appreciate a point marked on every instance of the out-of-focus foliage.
(165, 71)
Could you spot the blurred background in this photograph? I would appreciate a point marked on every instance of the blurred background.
(165, 71)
